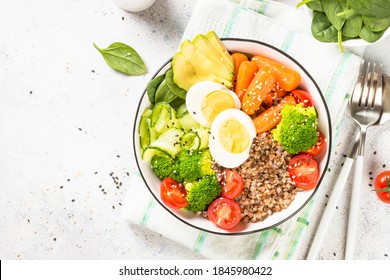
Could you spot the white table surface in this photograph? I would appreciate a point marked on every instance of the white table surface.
(66, 121)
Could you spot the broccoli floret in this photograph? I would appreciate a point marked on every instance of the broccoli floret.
(297, 131)
(195, 164)
(165, 166)
(202, 192)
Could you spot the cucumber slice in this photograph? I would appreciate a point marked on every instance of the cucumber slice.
(181, 111)
(144, 135)
(204, 135)
(190, 141)
(151, 151)
(187, 122)
(147, 113)
(161, 117)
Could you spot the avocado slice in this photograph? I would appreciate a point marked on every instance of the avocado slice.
(187, 73)
(203, 45)
(203, 63)
(219, 46)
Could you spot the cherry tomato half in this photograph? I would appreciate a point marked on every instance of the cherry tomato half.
(382, 186)
(317, 148)
(303, 97)
(224, 212)
(303, 171)
(232, 184)
(173, 194)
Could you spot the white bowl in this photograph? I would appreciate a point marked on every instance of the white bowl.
(302, 198)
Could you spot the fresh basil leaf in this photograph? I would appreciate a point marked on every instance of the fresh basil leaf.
(152, 86)
(123, 58)
(172, 85)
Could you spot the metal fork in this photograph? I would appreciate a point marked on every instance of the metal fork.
(365, 106)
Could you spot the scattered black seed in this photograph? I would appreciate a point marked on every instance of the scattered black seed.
(113, 207)
(55, 238)
(371, 178)
(213, 138)
(344, 155)
(61, 187)
(326, 204)
(105, 192)
(96, 172)
(93, 71)
(28, 220)
(342, 164)
(375, 153)
(370, 185)
(167, 126)
(327, 195)
(384, 165)
(100, 186)
(334, 254)
(112, 173)
(118, 156)
(386, 255)
(80, 129)
(73, 200)
(123, 18)
(337, 207)
(68, 180)
(328, 169)
(30, 91)
(194, 113)
(127, 173)
(370, 173)
(120, 204)
(102, 190)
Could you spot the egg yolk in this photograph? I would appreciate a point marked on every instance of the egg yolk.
(216, 102)
(233, 136)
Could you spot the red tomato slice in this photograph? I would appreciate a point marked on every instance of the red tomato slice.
(317, 148)
(303, 171)
(232, 184)
(173, 194)
(382, 186)
(224, 212)
(303, 97)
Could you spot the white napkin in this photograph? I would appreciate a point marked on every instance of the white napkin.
(286, 28)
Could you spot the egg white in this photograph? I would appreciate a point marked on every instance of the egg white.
(198, 92)
(222, 156)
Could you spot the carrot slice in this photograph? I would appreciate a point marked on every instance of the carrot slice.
(287, 78)
(238, 58)
(258, 89)
(274, 94)
(271, 117)
(245, 75)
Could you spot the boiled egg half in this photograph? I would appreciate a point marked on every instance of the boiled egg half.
(206, 100)
(231, 136)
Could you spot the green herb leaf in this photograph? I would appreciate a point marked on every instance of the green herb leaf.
(322, 29)
(152, 86)
(123, 58)
(370, 36)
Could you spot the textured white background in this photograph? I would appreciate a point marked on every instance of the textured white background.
(66, 122)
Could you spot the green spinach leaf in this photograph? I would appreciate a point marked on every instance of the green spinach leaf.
(123, 58)
(352, 26)
(164, 94)
(322, 29)
(373, 8)
(332, 8)
(152, 86)
(375, 24)
(172, 85)
(370, 36)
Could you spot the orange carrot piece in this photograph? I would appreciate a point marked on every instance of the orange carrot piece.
(257, 90)
(271, 117)
(287, 78)
(238, 58)
(245, 75)
(274, 94)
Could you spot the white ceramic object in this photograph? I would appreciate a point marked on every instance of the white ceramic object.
(301, 199)
(134, 5)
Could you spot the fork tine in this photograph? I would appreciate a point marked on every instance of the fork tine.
(377, 100)
(358, 88)
(368, 85)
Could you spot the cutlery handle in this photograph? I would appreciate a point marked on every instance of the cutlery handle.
(354, 209)
(330, 209)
